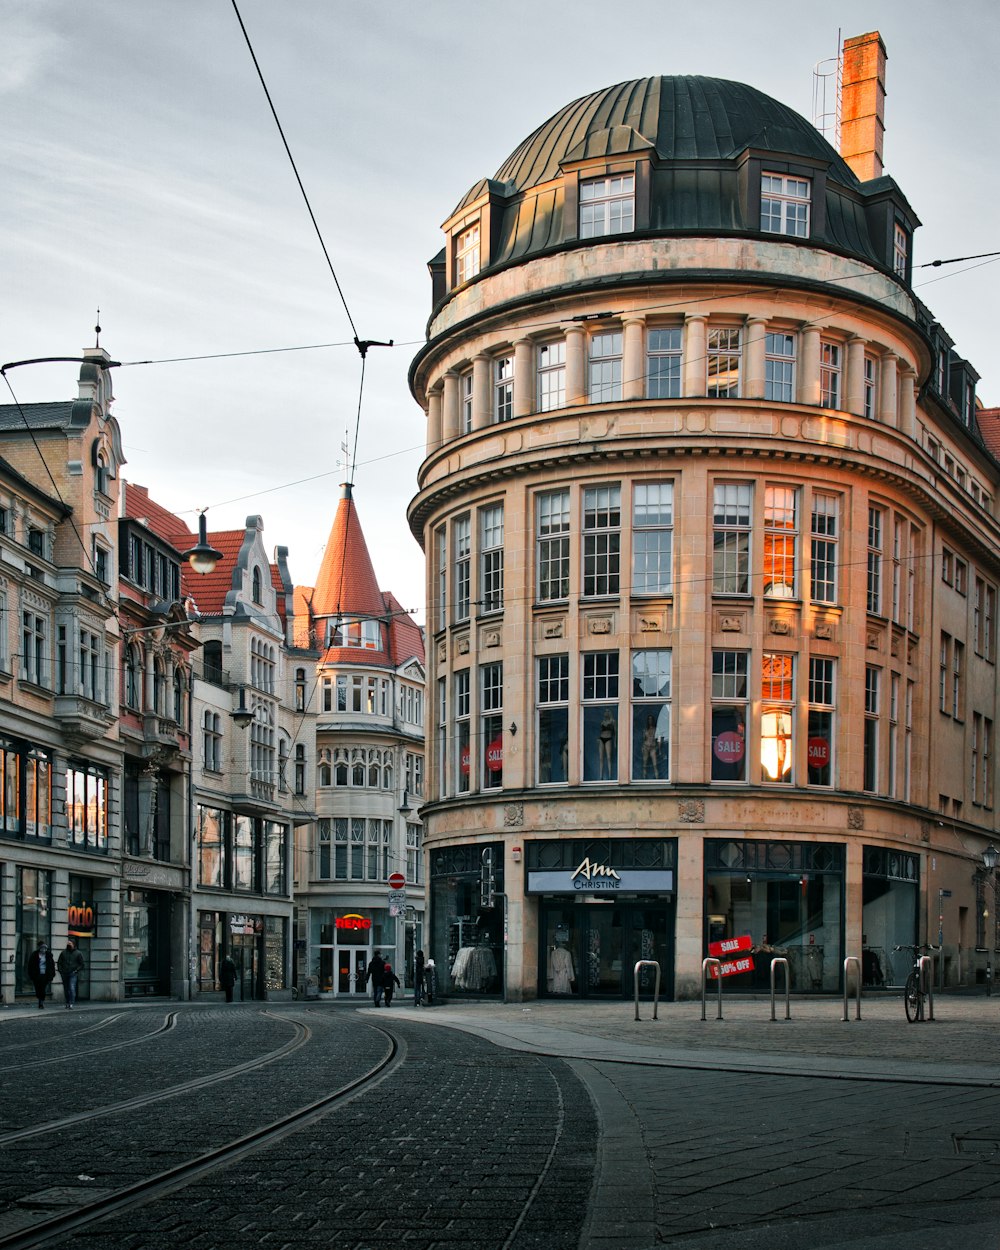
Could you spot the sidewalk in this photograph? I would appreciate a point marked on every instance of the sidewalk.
(960, 1046)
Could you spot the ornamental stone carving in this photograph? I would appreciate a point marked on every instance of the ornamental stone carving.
(731, 624)
(513, 815)
(650, 624)
(691, 811)
(462, 646)
(552, 629)
(824, 630)
(777, 626)
(855, 818)
(600, 625)
(491, 638)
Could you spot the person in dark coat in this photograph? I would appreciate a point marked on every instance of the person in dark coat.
(418, 978)
(374, 974)
(227, 976)
(388, 979)
(42, 971)
(70, 964)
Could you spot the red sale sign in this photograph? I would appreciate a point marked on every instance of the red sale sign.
(729, 946)
(732, 968)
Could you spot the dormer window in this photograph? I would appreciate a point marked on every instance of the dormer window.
(784, 205)
(900, 251)
(467, 254)
(607, 206)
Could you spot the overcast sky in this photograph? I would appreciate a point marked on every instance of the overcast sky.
(142, 173)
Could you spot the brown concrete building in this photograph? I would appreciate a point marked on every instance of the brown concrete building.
(711, 536)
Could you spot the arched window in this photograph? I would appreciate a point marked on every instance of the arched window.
(178, 709)
(323, 772)
(159, 683)
(341, 772)
(387, 776)
(133, 677)
(300, 690)
(257, 592)
(373, 776)
(300, 769)
(282, 764)
(358, 778)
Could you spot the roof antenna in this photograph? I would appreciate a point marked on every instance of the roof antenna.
(97, 329)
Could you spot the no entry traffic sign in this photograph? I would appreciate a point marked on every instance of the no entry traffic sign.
(397, 881)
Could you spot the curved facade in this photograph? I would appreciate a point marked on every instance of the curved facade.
(711, 544)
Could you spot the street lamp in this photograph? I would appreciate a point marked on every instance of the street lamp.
(990, 863)
(202, 557)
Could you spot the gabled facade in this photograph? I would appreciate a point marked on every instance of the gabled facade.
(363, 691)
(704, 506)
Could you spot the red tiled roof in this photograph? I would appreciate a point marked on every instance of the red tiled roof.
(163, 523)
(209, 590)
(346, 582)
(989, 427)
(406, 638)
(302, 636)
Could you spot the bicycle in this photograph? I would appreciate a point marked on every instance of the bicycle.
(914, 993)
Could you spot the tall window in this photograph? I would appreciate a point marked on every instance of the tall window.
(731, 538)
(552, 712)
(600, 716)
(461, 542)
(893, 753)
(607, 206)
(503, 389)
(551, 375)
(723, 363)
(552, 542)
(822, 701)
(663, 363)
(872, 708)
(870, 385)
(413, 856)
(651, 672)
(441, 575)
(133, 677)
(605, 367)
(467, 254)
(491, 724)
(779, 367)
(958, 679)
(900, 250)
(875, 556)
(784, 205)
(944, 668)
(463, 729)
(262, 755)
(300, 690)
(212, 741)
(211, 846)
(300, 768)
(730, 703)
(652, 538)
(780, 541)
(34, 660)
(823, 548)
(87, 806)
(829, 374)
(465, 394)
(777, 702)
(491, 558)
(601, 541)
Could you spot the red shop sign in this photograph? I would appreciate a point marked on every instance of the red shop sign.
(729, 747)
(733, 968)
(819, 752)
(463, 761)
(494, 755)
(353, 921)
(729, 946)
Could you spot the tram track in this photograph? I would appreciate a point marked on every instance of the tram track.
(54, 1229)
(33, 1043)
(75, 1056)
(302, 1035)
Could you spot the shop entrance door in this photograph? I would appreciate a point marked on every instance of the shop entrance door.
(351, 964)
(590, 949)
(246, 957)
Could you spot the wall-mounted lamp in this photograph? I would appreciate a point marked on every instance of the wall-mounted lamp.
(242, 715)
(404, 807)
(513, 730)
(202, 556)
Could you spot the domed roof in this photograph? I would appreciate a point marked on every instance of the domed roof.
(683, 117)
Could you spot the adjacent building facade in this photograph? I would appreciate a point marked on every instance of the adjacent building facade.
(711, 538)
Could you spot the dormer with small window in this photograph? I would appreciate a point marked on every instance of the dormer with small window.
(962, 379)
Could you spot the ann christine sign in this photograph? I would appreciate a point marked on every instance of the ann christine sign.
(353, 921)
(596, 877)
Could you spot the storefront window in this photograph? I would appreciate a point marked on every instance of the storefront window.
(552, 702)
(274, 857)
(787, 899)
(600, 716)
(244, 858)
(87, 806)
(729, 715)
(33, 920)
(890, 898)
(25, 791)
(467, 937)
(651, 715)
(275, 928)
(211, 826)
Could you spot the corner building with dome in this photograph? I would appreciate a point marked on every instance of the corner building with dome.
(711, 533)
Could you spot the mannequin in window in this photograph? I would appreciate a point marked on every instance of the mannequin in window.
(606, 745)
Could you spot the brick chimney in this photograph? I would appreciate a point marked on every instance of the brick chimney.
(863, 104)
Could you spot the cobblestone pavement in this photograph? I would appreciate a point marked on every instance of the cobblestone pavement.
(555, 1125)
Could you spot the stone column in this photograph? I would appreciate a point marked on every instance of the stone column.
(907, 402)
(887, 390)
(753, 382)
(449, 407)
(148, 686)
(633, 364)
(854, 382)
(481, 391)
(524, 377)
(695, 367)
(576, 365)
(809, 388)
(433, 421)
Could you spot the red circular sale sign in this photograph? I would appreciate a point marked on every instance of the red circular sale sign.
(463, 761)
(729, 747)
(819, 752)
(494, 755)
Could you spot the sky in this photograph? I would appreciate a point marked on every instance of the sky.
(142, 173)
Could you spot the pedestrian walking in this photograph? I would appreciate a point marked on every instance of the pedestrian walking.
(41, 971)
(430, 981)
(388, 978)
(374, 974)
(418, 978)
(70, 964)
(227, 976)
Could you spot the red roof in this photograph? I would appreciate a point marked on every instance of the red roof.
(989, 427)
(346, 584)
(209, 590)
(163, 523)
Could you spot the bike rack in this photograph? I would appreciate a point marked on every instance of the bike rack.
(852, 959)
(647, 963)
(925, 971)
(705, 965)
(774, 964)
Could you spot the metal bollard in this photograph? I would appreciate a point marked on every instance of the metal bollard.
(788, 1007)
(705, 965)
(926, 973)
(852, 959)
(647, 963)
